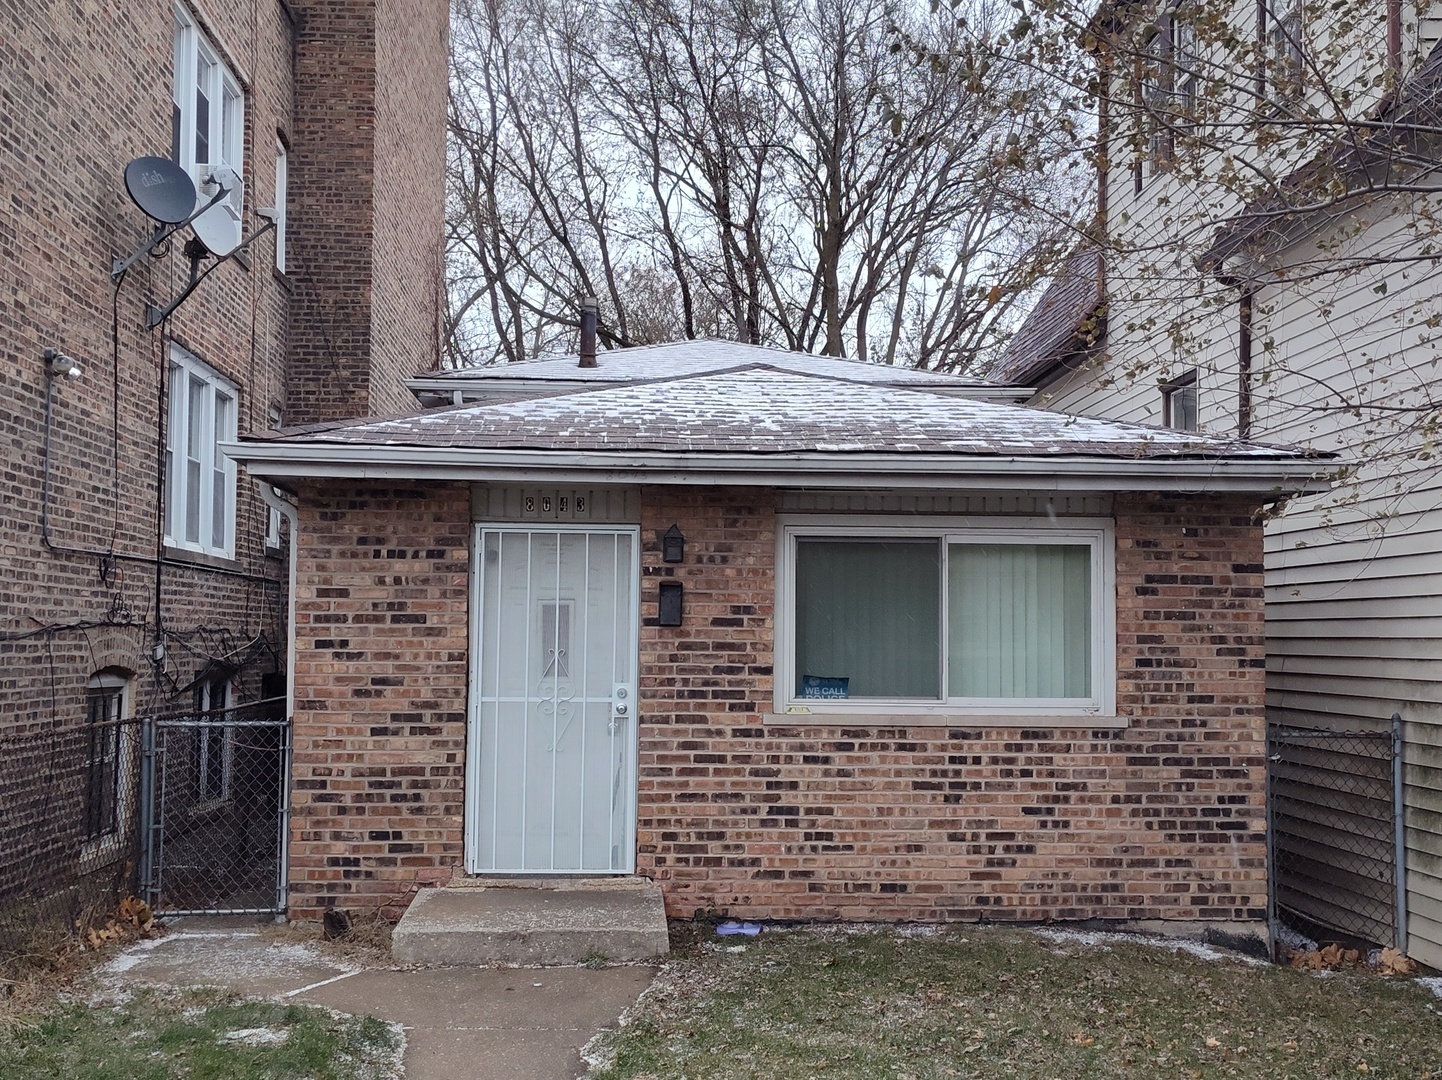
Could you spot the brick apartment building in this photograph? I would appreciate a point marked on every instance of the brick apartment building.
(140, 571)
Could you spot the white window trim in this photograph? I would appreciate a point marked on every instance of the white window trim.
(175, 445)
(101, 850)
(282, 195)
(272, 515)
(202, 734)
(226, 142)
(1098, 533)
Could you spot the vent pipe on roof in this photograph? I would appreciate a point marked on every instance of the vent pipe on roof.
(590, 309)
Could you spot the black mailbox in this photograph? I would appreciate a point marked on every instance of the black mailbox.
(669, 605)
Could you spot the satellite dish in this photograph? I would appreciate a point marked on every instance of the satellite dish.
(161, 188)
(219, 227)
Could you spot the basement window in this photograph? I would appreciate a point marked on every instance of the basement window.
(1014, 618)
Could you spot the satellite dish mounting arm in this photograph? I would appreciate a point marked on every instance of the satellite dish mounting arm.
(197, 251)
(162, 233)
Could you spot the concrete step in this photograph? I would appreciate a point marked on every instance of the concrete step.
(475, 925)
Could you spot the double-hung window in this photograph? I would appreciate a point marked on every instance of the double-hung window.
(1280, 25)
(200, 481)
(1015, 618)
(207, 126)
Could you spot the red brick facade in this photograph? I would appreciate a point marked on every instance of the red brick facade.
(87, 89)
(380, 713)
(1162, 819)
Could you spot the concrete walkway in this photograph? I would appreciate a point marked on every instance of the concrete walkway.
(515, 1023)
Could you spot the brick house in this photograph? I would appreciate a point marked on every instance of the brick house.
(128, 585)
(793, 637)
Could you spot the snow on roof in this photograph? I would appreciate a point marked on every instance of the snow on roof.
(694, 358)
(761, 409)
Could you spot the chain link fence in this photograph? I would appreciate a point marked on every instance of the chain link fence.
(1334, 836)
(70, 833)
(187, 811)
(215, 802)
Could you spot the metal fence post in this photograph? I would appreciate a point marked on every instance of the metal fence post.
(1271, 849)
(282, 863)
(147, 809)
(1399, 819)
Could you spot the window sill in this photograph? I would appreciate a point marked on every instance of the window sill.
(199, 558)
(979, 721)
(283, 279)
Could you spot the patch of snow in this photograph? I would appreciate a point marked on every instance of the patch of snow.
(1433, 983)
(1293, 940)
(1105, 939)
(256, 1036)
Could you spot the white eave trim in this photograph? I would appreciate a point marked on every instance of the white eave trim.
(811, 469)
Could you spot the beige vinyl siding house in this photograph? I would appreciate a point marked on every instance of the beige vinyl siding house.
(1345, 351)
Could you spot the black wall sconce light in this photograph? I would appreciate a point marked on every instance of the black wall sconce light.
(668, 603)
(673, 546)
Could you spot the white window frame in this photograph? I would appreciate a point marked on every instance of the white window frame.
(272, 515)
(282, 184)
(1098, 533)
(101, 848)
(1186, 383)
(211, 460)
(225, 133)
(224, 689)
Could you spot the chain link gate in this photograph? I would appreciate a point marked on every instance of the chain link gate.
(215, 810)
(1335, 843)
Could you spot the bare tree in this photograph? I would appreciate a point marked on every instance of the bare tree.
(778, 171)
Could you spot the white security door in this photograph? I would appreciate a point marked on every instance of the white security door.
(551, 785)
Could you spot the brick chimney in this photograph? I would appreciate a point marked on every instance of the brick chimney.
(366, 214)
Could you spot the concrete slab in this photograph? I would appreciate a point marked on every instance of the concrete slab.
(244, 961)
(532, 926)
(513, 1023)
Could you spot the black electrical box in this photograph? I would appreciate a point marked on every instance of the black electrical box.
(669, 606)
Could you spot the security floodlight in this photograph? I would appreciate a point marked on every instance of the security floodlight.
(57, 363)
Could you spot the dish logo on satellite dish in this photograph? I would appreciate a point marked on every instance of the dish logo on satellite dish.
(219, 227)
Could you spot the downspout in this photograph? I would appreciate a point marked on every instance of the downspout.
(289, 512)
(1394, 35)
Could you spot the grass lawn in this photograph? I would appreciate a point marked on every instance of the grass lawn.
(992, 1002)
(200, 1035)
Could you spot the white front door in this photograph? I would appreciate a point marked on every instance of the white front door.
(551, 783)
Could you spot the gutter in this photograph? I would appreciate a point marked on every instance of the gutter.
(811, 469)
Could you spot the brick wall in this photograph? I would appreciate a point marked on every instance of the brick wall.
(381, 640)
(85, 92)
(1161, 820)
(367, 183)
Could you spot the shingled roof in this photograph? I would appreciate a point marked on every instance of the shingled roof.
(1064, 320)
(761, 418)
(1396, 145)
(703, 356)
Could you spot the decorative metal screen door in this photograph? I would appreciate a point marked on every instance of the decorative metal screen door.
(551, 783)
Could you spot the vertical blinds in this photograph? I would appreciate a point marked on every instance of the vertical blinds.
(1020, 620)
(870, 612)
